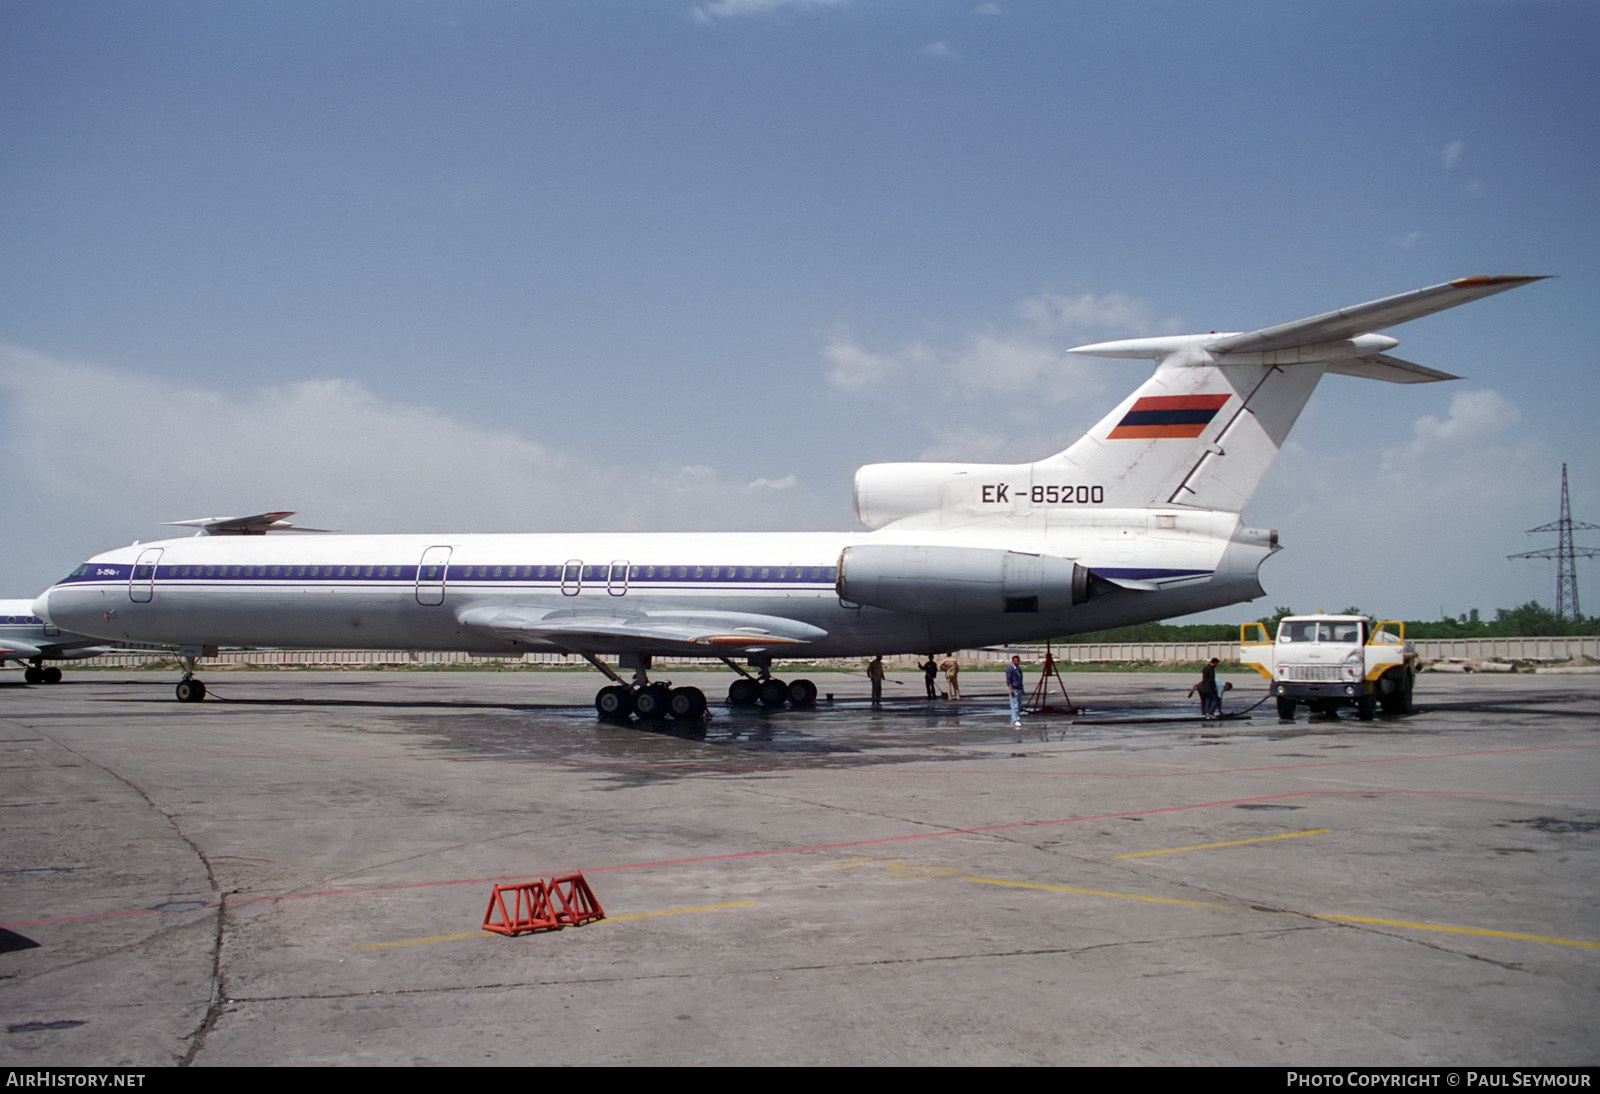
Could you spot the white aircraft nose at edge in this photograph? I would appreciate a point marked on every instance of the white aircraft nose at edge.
(1136, 521)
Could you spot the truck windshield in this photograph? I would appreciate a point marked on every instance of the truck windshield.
(1313, 630)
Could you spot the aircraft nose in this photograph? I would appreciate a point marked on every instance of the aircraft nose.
(41, 607)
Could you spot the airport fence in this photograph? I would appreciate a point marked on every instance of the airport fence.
(1430, 649)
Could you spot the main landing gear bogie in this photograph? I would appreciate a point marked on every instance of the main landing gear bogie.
(771, 693)
(36, 674)
(653, 701)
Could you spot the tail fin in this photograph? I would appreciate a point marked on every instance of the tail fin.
(1206, 426)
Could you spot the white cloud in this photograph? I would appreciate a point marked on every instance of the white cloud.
(990, 8)
(1087, 314)
(1474, 418)
(1407, 240)
(967, 442)
(940, 49)
(1026, 363)
(733, 9)
(852, 368)
(1015, 364)
(1453, 152)
(96, 456)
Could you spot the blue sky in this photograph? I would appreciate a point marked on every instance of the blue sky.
(541, 266)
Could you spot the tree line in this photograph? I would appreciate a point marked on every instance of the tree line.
(1530, 620)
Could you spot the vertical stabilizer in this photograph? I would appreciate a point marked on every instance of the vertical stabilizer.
(1198, 435)
(1204, 429)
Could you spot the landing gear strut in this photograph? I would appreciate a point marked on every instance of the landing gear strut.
(647, 700)
(191, 690)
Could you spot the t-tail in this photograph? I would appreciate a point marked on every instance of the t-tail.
(1198, 434)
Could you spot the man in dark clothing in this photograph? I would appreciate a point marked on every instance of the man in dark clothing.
(1210, 697)
(930, 670)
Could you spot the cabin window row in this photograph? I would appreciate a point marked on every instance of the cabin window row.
(569, 573)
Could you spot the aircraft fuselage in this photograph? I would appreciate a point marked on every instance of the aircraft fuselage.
(423, 592)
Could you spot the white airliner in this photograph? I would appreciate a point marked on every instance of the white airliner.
(1138, 520)
(24, 636)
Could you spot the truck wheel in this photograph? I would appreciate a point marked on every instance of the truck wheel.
(1397, 698)
(1366, 708)
(1285, 710)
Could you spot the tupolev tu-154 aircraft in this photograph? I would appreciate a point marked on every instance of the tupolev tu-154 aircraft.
(1138, 520)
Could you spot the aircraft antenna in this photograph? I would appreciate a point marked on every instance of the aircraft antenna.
(1565, 554)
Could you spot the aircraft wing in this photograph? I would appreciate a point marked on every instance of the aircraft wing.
(1374, 315)
(692, 633)
(12, 650)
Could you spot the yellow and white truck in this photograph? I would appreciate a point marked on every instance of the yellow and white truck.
(1329, 661)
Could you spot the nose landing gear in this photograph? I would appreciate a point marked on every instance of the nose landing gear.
(189, 689)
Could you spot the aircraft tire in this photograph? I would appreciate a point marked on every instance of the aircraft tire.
(32, 675)
(773, 693)
(1286, 710)
(190, 691)
(743, 692)
(52, 675)
(802, 693)
(687, 704)
(615, 701)
(652, 701)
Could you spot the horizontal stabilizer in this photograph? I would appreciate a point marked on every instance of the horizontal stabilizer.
(1383, 367)
(688, 632)
(256, 524)
(1333, 336)
(1374, 315)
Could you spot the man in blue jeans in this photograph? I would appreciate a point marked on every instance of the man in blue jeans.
(1014, 687)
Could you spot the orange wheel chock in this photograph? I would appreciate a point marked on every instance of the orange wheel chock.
(578, 905)
(534, 906)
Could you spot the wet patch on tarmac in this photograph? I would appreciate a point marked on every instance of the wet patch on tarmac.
(1551, 824)
(842, 733)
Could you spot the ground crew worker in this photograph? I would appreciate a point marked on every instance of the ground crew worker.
(951, 669)
(1210, 697)
(875, 674)
(930, 670)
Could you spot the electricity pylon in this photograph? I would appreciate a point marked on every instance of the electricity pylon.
(1565, 554)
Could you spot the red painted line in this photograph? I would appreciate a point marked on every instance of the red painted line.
(736, 855)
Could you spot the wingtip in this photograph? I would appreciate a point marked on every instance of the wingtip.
(1507, 280)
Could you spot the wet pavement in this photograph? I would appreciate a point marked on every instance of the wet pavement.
(295, 871)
